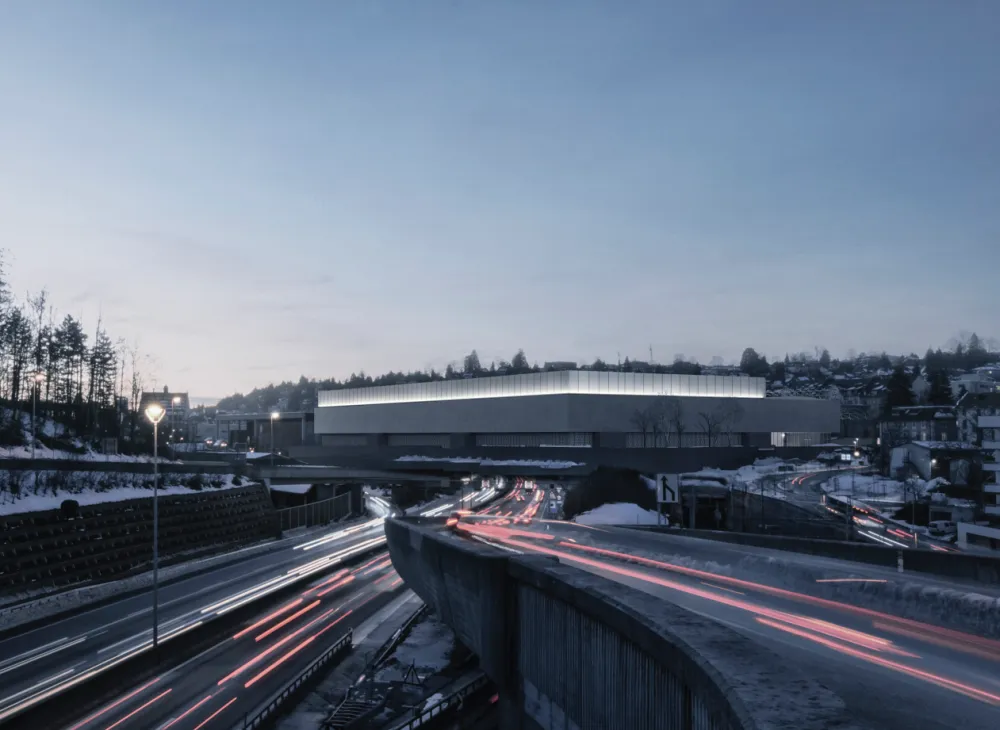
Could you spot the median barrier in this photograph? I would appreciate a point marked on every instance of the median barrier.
(295, 690)
(959, 566)
(90, 690)
(952, 606)
(571, 649)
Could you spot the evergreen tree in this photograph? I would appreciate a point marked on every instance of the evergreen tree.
(900, 393)
(471, 364)
(940, 388)
(824, 358)
(519, 363)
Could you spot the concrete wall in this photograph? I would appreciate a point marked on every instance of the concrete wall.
(572, 413)
(962, 566)
(569, 649)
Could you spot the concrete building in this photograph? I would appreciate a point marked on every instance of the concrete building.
(177, 407)
(979, 423)
(243, 431)
(591, 414)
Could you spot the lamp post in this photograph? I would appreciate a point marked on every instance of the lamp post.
(274, 417)
(36, 380)
(155, 413)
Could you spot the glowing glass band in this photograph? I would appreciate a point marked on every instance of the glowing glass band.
(564, 382)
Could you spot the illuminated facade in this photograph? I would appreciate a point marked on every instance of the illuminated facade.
(579, 382)
(572, 410)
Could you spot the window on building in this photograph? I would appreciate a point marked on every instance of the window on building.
(538, 440)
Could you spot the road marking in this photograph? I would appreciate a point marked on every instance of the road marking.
(722, 588)
(66, 672)
(36, 657)
(5, 662)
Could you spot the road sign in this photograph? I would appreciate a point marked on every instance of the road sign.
(667, 488)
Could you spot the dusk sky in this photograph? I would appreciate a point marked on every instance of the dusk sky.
(259, 190)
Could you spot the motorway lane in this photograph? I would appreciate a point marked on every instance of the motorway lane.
(890, 672)
(237, 677)
(866, 525)
(37, 664)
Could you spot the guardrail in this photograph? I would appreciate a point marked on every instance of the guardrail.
(965, 566)
(268, 716)
(417, 718)
(76, 699)
(568, 648)
(315, 513)
(397, 636)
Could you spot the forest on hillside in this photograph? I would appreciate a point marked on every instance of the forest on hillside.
(79, 375)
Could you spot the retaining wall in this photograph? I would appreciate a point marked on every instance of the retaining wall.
(108, 540)
(571, 649)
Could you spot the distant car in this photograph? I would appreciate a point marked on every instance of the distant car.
(942, 527)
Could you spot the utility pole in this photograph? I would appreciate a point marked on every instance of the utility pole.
(763, 525)
(694, 504)
(155, 412)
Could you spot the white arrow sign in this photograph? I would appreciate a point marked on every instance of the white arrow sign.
(667, 488)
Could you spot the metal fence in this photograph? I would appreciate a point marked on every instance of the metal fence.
(419, 717)
(315, 513)
(268, 716)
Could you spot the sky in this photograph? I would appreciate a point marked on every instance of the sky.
(254, 191)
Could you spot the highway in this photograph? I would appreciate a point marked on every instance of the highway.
(891, 672)
(38, 664)
(866, 524)
(234, 679)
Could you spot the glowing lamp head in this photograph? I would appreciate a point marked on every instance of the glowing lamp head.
(154, 412)
(275, 415)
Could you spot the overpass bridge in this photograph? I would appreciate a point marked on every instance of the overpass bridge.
(314, 473)
(568, 649)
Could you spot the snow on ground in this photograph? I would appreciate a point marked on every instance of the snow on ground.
(759, 469)
(44, 452)
(52, 430)
(619, 513)
(87, 488)
(432, 700)
(427, 648)
(544, 464)
(867, 487)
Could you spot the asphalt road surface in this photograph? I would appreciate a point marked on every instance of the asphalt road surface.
(890, 672)
(234, 679)
(36, 665)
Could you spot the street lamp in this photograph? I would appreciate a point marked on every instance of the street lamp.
(274, 417)
(155, 413)
(36, 380)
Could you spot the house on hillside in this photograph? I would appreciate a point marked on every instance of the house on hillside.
(978, 419)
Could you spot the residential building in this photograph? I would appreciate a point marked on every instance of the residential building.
(979, 423)
(977, 382)
(918, 423)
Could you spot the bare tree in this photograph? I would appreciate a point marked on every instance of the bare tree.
(673, 418)
(643, 422)
(732, 415)
(711, 424)
(136, 386)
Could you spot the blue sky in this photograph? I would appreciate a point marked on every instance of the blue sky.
(258, 190)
